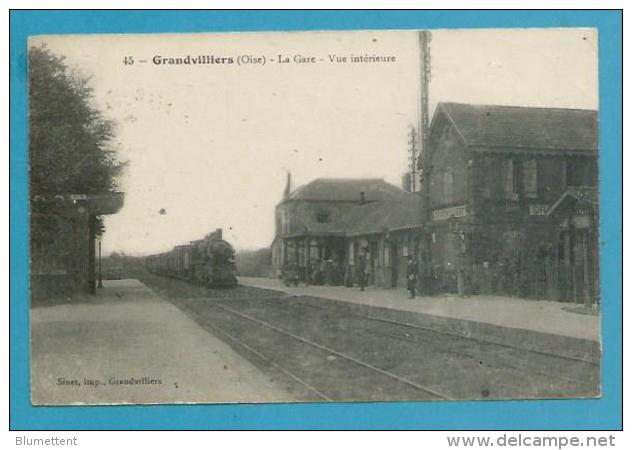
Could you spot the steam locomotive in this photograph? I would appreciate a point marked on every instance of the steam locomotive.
(209, 261)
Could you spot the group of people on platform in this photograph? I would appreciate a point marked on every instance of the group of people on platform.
(319, 271)
(332, 272)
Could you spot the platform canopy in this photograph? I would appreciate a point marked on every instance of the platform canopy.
(96, 204)
(109, 203)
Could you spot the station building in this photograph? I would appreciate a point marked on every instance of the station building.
(331, 221)
(63, 238)
(508, 205)
(513, 201)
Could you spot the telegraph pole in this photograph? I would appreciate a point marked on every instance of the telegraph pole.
(412, 163)
(424, 121)
(100, 285)
(423, 160)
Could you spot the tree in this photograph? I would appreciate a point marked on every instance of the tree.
(255, 263)
(70, 142)
(72, 151)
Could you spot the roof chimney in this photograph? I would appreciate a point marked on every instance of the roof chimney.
(218, 233)
(288, 185)
(362, 197)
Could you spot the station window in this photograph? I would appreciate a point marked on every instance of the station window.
(511, 177)
(531, 178)
(572, 173)
(447, 186)
(580, 172)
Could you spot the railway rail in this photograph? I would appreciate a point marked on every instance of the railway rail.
(267, 360)
(454, 334)
(574, 364)
(307, 379)
(350, 356)
(345, 356)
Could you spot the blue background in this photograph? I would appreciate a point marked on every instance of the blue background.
(604, 413)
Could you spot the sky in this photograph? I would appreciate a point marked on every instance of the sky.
(209, 146)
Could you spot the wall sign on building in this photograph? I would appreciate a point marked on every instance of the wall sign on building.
(446, 213)
(538, 210)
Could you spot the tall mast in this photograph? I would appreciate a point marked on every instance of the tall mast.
(424, 121)
(412, 159)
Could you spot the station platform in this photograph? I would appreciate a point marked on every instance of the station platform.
(555, 327)
(126, 345)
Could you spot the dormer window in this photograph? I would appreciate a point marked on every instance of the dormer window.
(323, 216)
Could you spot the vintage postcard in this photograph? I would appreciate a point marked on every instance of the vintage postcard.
(314, 216)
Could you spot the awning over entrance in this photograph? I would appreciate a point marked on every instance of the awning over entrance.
(580, 199)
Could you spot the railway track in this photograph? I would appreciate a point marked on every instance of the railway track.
(263, 358)
(409, 389)
(345, 356)
(578, 364)
(410, 362)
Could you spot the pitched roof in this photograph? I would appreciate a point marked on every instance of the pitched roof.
(346, 189)
(402, 213)
(517, 127)
(374, 217)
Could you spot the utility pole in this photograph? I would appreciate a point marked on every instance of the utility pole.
(100, 285)
(412, 162)
(423, 160)
(92, 221)
(424, 121)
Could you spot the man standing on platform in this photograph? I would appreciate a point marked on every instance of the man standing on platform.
(412, 273)
(362, 267)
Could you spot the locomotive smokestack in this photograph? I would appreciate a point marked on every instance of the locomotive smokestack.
(218, 233)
